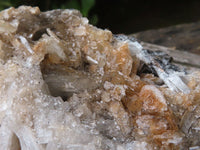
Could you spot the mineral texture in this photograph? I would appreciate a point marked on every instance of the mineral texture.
(67, 85)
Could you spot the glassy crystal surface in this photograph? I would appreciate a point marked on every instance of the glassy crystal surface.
(66, 84)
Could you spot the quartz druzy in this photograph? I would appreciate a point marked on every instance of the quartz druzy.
(65, 84)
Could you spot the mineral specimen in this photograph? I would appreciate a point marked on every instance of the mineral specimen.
(66, 84)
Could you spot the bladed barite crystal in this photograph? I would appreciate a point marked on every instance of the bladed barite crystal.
(65, 84)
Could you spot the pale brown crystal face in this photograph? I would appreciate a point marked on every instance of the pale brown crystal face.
(66, 84)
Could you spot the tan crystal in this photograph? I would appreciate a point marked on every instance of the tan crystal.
(66, 84)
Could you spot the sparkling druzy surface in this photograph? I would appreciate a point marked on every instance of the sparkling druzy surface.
(65, 84)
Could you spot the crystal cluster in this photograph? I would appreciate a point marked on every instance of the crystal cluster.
(66, 84)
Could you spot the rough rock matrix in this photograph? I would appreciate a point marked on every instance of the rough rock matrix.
(67, 85)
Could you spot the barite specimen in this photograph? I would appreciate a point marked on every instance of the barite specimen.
(66, 84)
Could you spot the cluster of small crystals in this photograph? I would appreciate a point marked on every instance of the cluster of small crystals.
(68, 85)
